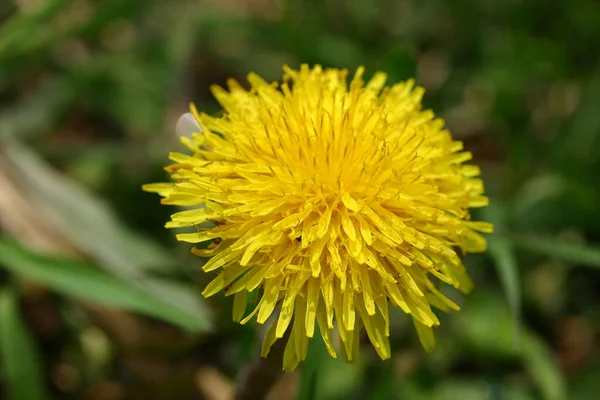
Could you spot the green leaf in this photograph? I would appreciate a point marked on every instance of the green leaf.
(399, 62)
(484, 327)
(543, 368)
(309, 369)
(20, 359)
(586, 385)
(16, 34)
(554, 248)
(92, 226)
(385, 388)
(337, 379)
(83, 218)
(82, 281)
(457, 388)
(503, 253)
(30, 116)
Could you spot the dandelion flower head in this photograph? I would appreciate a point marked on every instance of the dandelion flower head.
(331, 200)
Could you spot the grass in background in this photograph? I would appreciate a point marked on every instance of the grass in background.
(89, 95)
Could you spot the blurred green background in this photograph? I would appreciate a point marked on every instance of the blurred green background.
(98, 301)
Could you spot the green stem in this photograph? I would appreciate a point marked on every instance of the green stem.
(257, 379)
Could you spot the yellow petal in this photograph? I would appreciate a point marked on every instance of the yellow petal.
(425, 335)
(163, 189)
(239, 305)
(312, 298)
(268, 341)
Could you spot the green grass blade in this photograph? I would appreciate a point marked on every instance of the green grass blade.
(20, 360)
(94, 228)
(543, 368)
(484, 327)
(502, 251)
(577, 253)
(82, 281)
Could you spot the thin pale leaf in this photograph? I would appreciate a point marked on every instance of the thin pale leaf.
(91, 225)
(82, 281)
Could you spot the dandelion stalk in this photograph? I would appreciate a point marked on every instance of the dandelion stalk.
(257, 379)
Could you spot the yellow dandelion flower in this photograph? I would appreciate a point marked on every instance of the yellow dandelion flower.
(331, 200)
